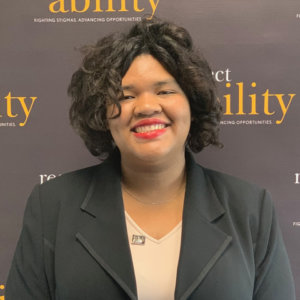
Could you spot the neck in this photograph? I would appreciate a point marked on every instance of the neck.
(154, 182)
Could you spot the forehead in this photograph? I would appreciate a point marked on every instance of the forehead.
(145, 68)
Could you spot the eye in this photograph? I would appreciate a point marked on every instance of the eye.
(166, 92)
(126, 97)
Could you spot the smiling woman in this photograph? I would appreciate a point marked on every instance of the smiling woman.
(98, 82)
(149, 222)
(155, 119)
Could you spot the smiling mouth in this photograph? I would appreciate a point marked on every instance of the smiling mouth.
(149, 128)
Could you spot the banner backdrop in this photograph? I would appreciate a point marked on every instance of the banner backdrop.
(253, 47)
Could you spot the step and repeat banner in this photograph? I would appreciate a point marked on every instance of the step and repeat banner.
(254, 51)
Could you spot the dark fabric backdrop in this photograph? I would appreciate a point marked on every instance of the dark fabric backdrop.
(253, 48)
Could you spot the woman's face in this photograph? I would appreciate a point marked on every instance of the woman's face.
(155, 117)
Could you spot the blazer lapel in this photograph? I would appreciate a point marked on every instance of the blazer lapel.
(105, 236)
(202, 243)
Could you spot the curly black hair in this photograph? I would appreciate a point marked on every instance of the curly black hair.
(97, 82)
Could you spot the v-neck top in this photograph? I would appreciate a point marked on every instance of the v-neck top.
(155, 261)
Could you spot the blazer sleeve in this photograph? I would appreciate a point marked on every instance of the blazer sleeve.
(27, 278)
(274, 280)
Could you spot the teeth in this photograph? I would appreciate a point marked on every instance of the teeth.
(141, 129)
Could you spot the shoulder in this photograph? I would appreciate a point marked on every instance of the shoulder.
(79, 179)
(231, 184)
(248, 207)
(239, 197)
(66, 191)
(59, 200)
(69, 181)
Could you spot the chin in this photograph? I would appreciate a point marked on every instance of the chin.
(156, 154)
(152, 155)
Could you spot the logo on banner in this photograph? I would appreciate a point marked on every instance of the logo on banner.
(2, 289)
(251, 108)
(100, 7)
(47, 177)
(297, 178)
(15, 110)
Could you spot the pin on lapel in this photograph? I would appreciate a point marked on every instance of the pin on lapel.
(138, 239)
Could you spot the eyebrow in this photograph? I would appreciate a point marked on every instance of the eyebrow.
(156, 84)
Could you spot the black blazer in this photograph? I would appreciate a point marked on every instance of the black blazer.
(74, 242)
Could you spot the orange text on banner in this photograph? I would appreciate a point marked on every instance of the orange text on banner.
(25, 103)
(278, 99)
(65, 6)
(2, 288)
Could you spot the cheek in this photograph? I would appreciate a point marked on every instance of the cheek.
(118, 125)
(184, 112)
(186, 119)
(114, 128)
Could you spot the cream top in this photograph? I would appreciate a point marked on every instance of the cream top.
(155, 261)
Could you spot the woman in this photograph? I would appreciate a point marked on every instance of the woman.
(148, 223)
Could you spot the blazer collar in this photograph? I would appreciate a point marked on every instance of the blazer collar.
(202, 243)
(105, 236)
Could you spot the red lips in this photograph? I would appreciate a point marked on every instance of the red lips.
(147, 122)
(151, 134)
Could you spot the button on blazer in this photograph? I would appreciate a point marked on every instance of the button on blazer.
(74, 243)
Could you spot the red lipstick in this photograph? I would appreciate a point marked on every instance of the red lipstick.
(152, 133)
(150, 121)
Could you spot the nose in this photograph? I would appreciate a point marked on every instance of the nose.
(147, 105)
